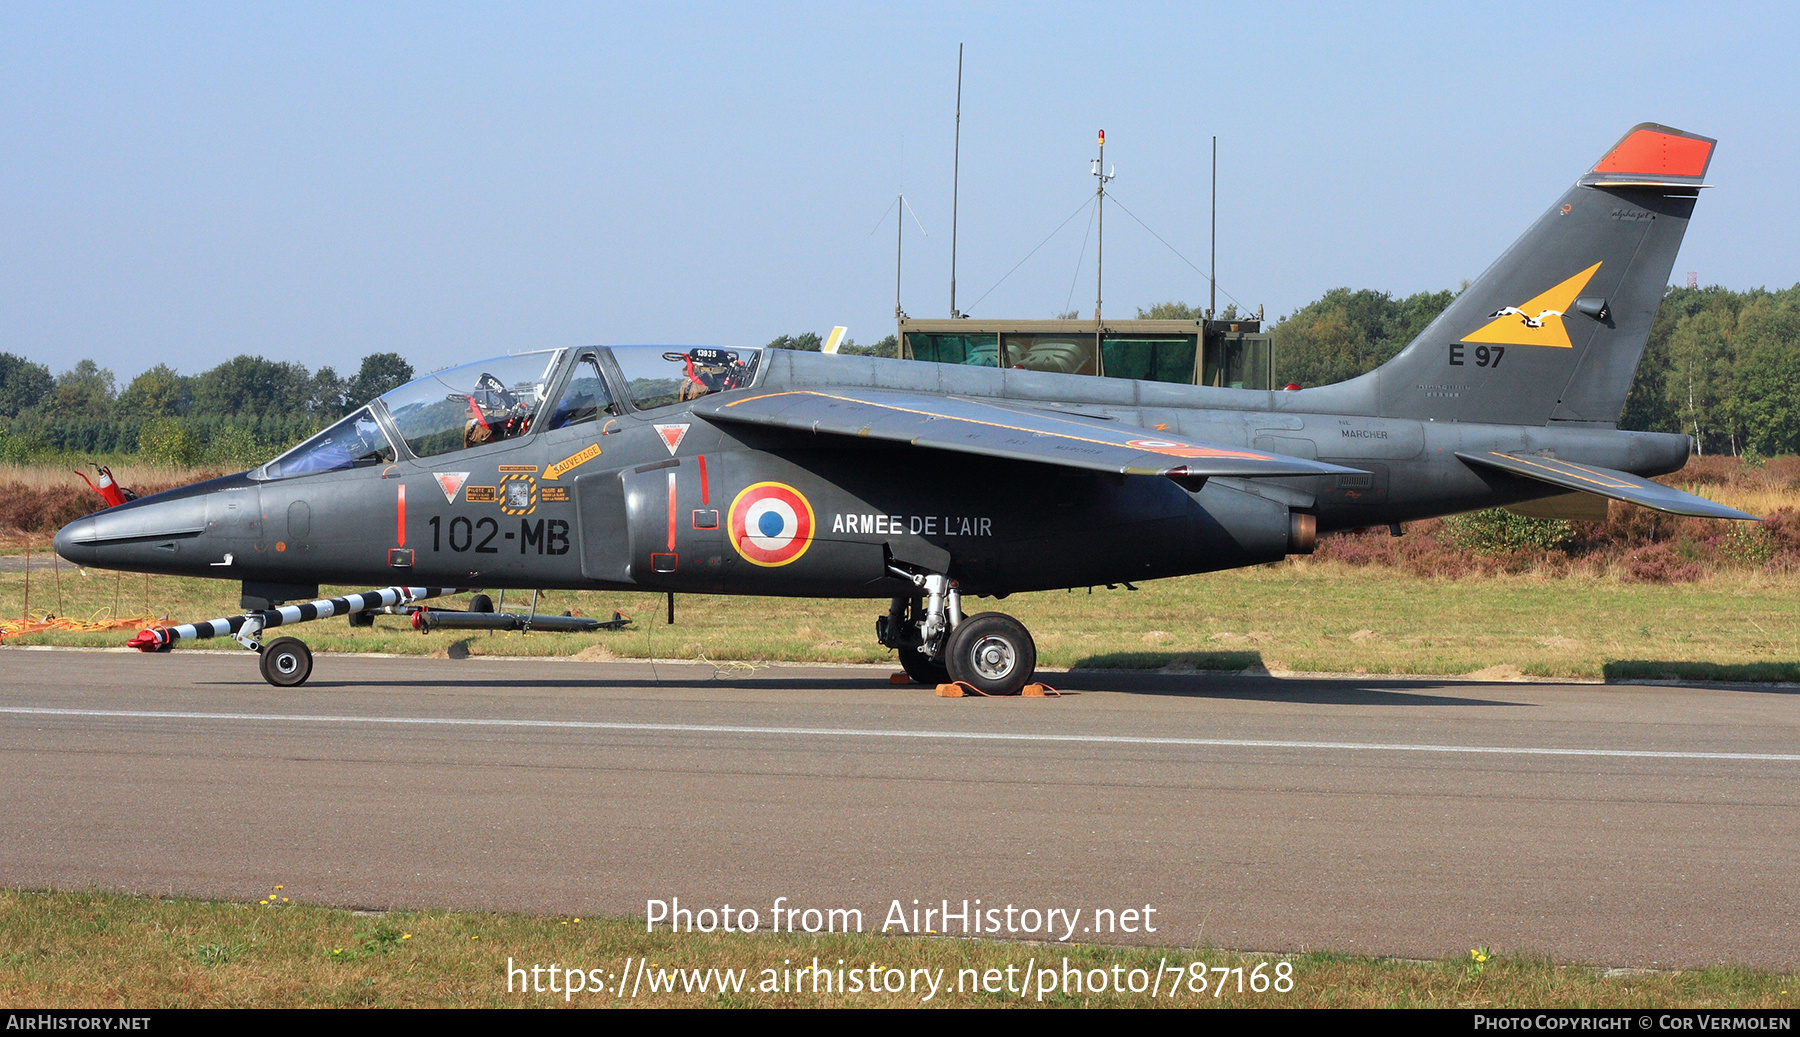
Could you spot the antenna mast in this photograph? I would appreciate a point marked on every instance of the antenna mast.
(955, 180)
(899, 239)
(1101, 176)
(1212, 299)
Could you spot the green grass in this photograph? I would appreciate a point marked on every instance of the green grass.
(1295, 616)
(107, 950)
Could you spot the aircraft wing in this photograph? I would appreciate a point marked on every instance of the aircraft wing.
(1605, 482)
(989, 429)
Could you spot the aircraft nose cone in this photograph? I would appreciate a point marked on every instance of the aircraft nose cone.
(72, 542)
(161, 533)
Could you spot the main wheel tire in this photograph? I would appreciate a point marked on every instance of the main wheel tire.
(361, 619)
(286, 662)
(481, 603)
(922, 668)
(993, 652)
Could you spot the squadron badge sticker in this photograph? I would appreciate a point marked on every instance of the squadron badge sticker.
(771, 524)
(518, 494)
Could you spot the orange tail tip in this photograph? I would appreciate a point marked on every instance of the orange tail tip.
(1651, 150)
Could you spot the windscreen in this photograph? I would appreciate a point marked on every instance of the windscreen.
(355, 442)
(472, 405)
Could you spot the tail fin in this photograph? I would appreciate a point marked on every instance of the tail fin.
(1554, 329)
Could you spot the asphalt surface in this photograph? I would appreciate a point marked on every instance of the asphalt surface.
(1605, 824)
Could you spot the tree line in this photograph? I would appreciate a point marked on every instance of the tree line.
(239, 413)
(810, 342)
(1722, 366)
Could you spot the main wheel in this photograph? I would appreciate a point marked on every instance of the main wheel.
(286, 662)
(481, 603)
(993, 652)
(922, 668)
(361, 619)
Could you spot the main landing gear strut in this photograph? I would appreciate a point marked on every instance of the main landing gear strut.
(990, 651)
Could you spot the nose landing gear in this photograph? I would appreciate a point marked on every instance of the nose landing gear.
(937, 644)
(286, 662)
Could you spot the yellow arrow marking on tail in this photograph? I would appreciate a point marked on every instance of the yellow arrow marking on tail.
(575, 460)
(1511, 328)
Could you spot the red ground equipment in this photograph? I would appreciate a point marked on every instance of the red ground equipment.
(108, 489)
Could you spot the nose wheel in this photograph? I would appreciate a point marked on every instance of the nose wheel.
(286, 662)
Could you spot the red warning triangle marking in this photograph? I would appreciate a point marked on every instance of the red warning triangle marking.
(451, 483)
(671, 436)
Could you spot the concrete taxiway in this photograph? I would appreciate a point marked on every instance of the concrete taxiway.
(1618, 825)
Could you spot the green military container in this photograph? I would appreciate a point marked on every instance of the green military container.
(1236, 354)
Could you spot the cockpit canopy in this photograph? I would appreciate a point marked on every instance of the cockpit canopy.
(509, 397)
(658, 376)
(472, 405)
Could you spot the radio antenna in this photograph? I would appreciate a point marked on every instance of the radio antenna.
(1212, 279)
(1101, 176)
(955, 180)
(899, 237)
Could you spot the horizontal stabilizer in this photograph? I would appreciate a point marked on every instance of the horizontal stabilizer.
(1606, 483)
(990, 430)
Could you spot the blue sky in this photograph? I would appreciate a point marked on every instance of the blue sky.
(316, 182)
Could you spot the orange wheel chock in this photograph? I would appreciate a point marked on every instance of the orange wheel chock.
(899, 678)
(956, 690)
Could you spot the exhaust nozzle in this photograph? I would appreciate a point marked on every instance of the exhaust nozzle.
(1303, 533)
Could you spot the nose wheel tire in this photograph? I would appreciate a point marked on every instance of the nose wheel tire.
(993, 652)
(286, 662)
(922, 668)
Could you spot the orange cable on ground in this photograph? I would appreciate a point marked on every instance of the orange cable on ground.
(42, 621)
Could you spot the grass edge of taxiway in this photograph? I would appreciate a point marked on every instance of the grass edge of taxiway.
(1294, 618)
(62, 949)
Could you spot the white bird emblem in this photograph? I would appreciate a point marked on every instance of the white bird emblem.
(1530, 321)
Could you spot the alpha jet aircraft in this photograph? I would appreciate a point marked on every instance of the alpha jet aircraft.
(744, 471)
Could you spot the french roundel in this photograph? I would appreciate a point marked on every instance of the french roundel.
(771, 524)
